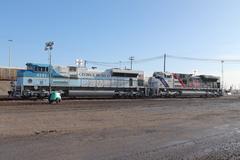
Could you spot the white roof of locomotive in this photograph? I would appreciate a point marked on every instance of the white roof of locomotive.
(118, 70)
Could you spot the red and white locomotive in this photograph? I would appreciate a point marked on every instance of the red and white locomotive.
(178, 84)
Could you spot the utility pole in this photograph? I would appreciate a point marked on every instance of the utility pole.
(222, 61)
(49, 47)
(9, 52)
(131, 59)
(120, 64)
(164, 62)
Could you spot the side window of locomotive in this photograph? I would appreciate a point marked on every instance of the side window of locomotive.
(140, 82)
(168, 76)
(130, 82)
(72, 69)
(41, 69)
(29, 68)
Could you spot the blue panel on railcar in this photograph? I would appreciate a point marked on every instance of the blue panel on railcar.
(26, 73)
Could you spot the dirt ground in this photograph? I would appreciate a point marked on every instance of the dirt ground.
(139, 129)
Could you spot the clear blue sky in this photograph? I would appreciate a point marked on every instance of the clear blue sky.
(113, 30)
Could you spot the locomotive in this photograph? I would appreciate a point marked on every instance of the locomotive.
(80, 81)
(178, 84)
(73, 81)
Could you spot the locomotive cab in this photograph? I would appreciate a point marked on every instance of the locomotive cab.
(37, 67)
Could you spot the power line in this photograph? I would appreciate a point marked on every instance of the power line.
(114, 64)
(148, 59)
(194, 59)
(125, 62)
(203, 59)
(97, 62)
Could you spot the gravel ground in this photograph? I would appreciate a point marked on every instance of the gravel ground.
(141, 129)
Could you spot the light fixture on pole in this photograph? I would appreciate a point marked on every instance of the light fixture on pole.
(49, 47)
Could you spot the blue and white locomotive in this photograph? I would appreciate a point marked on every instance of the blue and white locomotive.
(78, 81)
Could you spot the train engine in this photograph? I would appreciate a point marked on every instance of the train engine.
(177, 84)
(78, 81)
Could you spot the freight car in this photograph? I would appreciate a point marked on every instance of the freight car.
(79, 81)
(9, 73)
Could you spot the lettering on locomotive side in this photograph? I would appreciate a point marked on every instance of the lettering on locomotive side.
(94, 75)
(42, 75)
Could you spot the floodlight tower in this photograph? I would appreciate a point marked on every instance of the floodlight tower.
(49, 47)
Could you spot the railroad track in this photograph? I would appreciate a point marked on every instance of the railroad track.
(6, 98)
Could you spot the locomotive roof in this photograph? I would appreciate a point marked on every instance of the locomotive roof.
(117, 70)
(113, 70)
(209, 77)
(37, 64)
